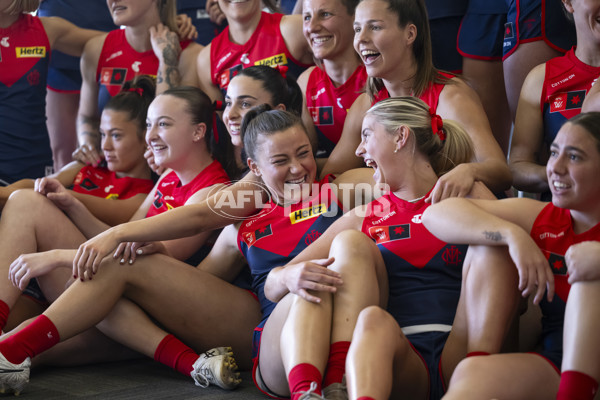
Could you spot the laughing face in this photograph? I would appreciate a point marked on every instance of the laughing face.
(381, 43)
(285, 162)
(572, 169)
(377, 148)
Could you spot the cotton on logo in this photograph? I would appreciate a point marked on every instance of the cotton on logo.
(136, 66)
(4, 41)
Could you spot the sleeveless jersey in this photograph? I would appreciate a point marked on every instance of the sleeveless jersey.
(328, 105)
(102, 182)
(566, 84)
(24, 143)
(553, 232)
(119, 63)
(265, 47)
(431, 94)
(277, 234)
(171, 194)
(424, 272)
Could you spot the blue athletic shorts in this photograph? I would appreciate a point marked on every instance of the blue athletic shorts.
(533, 20)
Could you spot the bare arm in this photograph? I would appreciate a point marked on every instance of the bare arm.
(496, 223)
(204, 75)
(308, 270)
(225, 260)
(67, 37)
(111, 211)
(306, 117)
(291, 30)
(525, 151)
(88, 118)
(592, 100)
(343, 157)
(460, 103)
(227, 206)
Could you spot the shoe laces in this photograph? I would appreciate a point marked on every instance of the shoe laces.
(310, 393)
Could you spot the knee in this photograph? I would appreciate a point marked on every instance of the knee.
(24, 198)
(352, 249)
(468, 369)
(374, 320)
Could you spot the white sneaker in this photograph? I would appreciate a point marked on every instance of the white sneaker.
(336, 391)
(13, 377)
(310, 393)
(216, 366)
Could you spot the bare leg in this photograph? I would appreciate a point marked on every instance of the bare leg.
(306, 329)
(200, 309)
(488, 302)
(582, 323)
(381, 360)
(23, 309)
(32, 223)
(61, 109)
(518, 65)
(504, 376)
(487, 79)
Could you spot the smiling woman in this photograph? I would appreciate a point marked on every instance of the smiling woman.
(392, 37)
(561, 237)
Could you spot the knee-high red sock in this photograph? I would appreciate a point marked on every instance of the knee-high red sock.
(576, 385)
(173, 353)
(336, 364)
(35, 338)
(301, 377)
(365, 398)
(4, 311)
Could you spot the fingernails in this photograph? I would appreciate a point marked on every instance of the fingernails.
(139, 251)
(122, 261)
(130, 262)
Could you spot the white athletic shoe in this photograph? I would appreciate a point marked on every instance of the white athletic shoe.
(216, 366)
(13, 377)
(310, 393)
(336, 391)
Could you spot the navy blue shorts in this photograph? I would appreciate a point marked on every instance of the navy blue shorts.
(533, 20)
(429, 346)
(64, 79)
(444, 32)
(480, 36)
(34, 292)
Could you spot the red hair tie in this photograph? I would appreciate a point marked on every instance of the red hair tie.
(437, 125)
(139, 91)
(282, 70)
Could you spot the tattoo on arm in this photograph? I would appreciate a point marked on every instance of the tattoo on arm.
(494, 236)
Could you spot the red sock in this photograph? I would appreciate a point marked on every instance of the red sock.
(477, 353)
(336, 364)
(576, 385)
(173, 353)
(4, 311)
(365, 398)
(35, 338)
(300, 378)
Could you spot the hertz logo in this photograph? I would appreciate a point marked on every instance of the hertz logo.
(34, 52)
(307, 213)
(279, 59)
